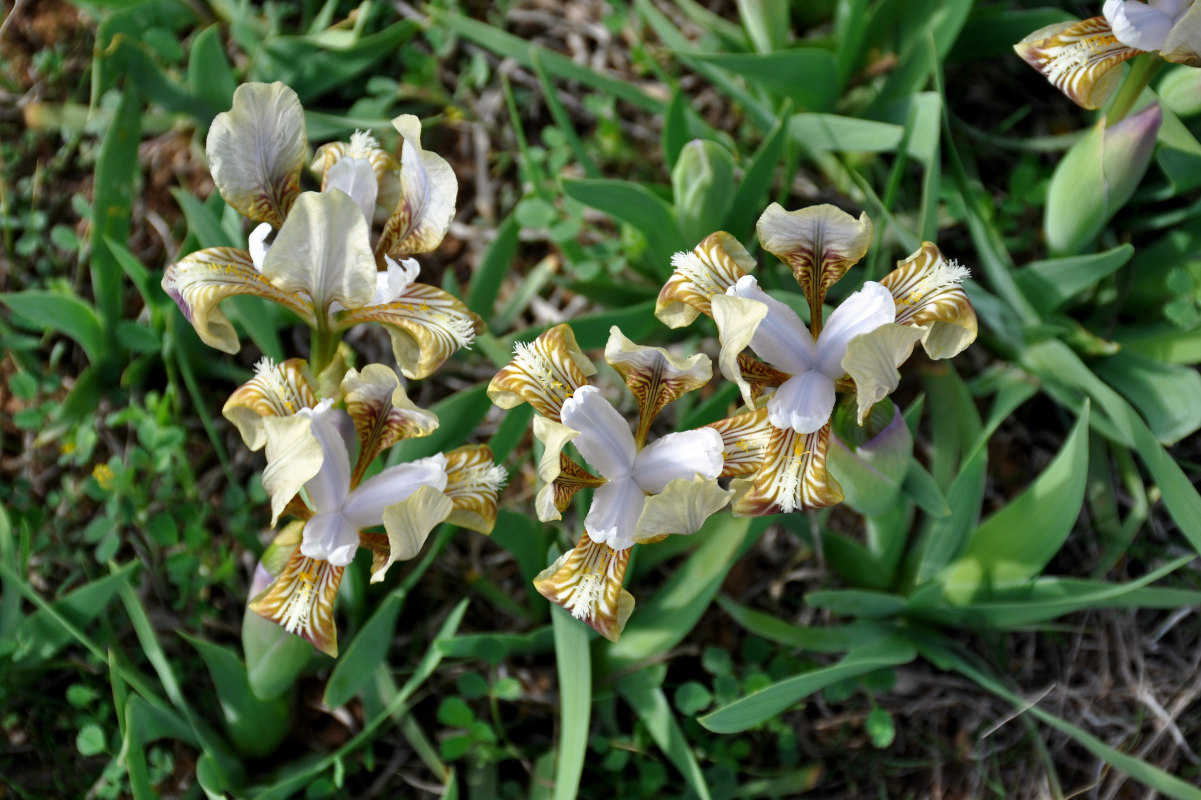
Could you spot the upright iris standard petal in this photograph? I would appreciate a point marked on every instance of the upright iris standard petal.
(605, 440)
(329, 487)
(354, 177)
(616, 507)
(428, 189)
(256, 151)
(323, 251)
(1144, 26)
(864, 311)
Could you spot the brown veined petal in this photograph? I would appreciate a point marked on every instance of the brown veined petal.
(361, 145)
(472, 484)
(744, 438)
(256, 151)
(710, 268)
(560, 477)
(382, 412)
(654, 376)
(301, 600)
(792, 476)
(199, 281)
(408, 524)
(587, 582)
(927, 293)
(759, 375)
(1078, 58)
(428, 188)
(276, 390)
(543, 373)
(427, 326)
(819, 244)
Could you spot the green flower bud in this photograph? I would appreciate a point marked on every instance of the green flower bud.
(870, 462)
(703, 184)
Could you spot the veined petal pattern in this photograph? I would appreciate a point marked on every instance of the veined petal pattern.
(428, 189)
(710, 268)
(587, 582)
(791, 477)
(301, 600)
(472, 483)
(543, 373)
(926, 289)
(654, 377)
(1078, 58)
(276, 390)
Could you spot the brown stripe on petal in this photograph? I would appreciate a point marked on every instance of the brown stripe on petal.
(791, 477)
(382, 412)
(276, 390)
(380, 549)
(572, 477)
(543, 373)
(655, 377)
(710, 268)
(427, 326)
(199, 281)
(428, 190)
(744, 438)
(301, 600)
(1078, 58)
(472, 483)
(759, 375)
(819, 243)
(587, 582)
(360, 146)
(926, 289)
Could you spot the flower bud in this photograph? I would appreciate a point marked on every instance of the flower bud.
(703, 185)
(870, 462)
(1096, 178)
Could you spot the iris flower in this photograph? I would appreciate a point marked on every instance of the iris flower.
(310, 475)
(776, 450)
(643, 492)
(338, 257)
(1079, 58)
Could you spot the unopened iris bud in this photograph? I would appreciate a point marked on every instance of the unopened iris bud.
(703, 186)
(870, 462)
(1180, 91)
(1097, 177)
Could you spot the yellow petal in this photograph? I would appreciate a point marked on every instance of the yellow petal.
(472, 483)
(408, 523)
(1078, 58)
(680, 508)
(744, 439)
(654, 376)
(819, 244)
(560, 477)
(199, 281)
(737, 320)
(587, 582)
(427, 326)
(791, 477)
(543, 373)
(256, 151)
(276, 390)
(926, 289)
(383, 414)
(710, 268)
(302, 598)
(427, 202)
(294, 455)
(872, 359)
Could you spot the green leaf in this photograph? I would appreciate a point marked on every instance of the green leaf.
(573, 662)
(858, 603)
(834, 639)
(496, 647)
(1179, 153)
(255, 726)
(63, 313)
(90, 740)
(675, 128)
(210, 75)
(494, 266)
(1049, 284)
(880, 727)
(1016, 543)
(942, 538)
(635, 205)
(41, 635)
(1158, 391)
(921, 487)
(778, 72)
(754, 709)
(752, 195)
(648, 702)
(366, 652)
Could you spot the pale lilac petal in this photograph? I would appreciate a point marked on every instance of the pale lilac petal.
(330, 486)
(330, 537)
(258, 244)
(803, 402)
(605, 440)
(366, 504)
(678, 455)
(391, 283)
(355, 177)
(864, 311)
(781, 339)
(613, 517)
(1137, 24)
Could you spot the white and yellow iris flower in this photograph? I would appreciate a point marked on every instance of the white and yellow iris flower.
(322, 263)
(776, 450)
(310, 475)
(1080, 58)
(643, 492)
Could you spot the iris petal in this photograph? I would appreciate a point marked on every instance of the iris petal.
(864, 311)
(613, 517)
(781, 339)
(605, 440)
(678, 455)
(804, 402)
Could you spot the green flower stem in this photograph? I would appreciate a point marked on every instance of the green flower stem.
(324, 347)
(1142, 69)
